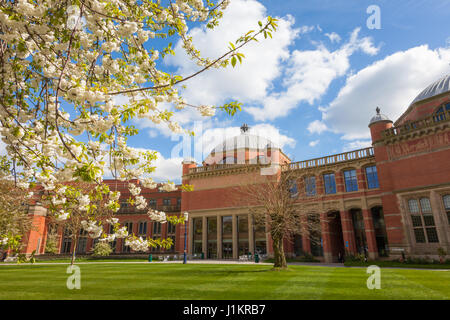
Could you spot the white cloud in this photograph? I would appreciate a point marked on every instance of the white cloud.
(355, 145)
(334, 37)
(167, 169)
(391, 84)
(308, 75)
(314, 143)
(317, 126)
(261, 65)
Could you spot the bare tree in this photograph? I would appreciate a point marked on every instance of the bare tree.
(277, 201)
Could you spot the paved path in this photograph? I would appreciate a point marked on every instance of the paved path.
(310, 264)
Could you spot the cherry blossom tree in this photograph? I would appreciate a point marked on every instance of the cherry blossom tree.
(63, 64)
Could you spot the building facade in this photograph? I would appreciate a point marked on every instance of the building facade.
(389, 200)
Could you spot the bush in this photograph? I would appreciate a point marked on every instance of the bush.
(51, 245)
(101, 249)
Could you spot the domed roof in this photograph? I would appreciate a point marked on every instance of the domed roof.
(440, 86)
(379, 117)
(244, 141)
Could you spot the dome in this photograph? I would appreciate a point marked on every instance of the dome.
(440, 86)
(244, 141)
(379, 117)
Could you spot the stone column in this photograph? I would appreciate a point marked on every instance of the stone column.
(326, 239)
(219, 237)
(190, 239)
(204, 236)
(235, 237)
(251, 235)
(306, 242)
(370, 234)
(348, 232)
(440, 218)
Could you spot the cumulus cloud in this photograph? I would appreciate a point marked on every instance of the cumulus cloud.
(317, 126)
(167, 169)
(308, 75)
(252, 79)
(391, 84)
(355, 145)
(314, 143)
(333, 36)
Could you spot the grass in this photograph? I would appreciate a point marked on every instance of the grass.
(397, 264)
(204, 281)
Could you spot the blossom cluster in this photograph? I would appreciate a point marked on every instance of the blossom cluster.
(92, 228)
(158, 216)
(137, 244)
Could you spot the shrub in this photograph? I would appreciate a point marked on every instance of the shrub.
(101, 249)
(51, 245)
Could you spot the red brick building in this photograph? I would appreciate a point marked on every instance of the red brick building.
(382, 201)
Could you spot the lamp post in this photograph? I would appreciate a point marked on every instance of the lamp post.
(185, 237)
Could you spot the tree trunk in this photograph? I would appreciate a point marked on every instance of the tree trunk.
(278, 252)
(73, 251)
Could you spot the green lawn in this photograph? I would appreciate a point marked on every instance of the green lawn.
(202, 281)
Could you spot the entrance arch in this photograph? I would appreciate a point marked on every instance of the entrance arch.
(336, 235)
(380, 230)
(360, 231)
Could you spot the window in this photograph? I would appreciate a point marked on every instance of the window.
(129, 226)
(293, 189)
(372, 177)
(142, 228)
(422, 220)
(178, 201)
(152, 203)
(156, 228)
(197, 224)
(310, 186)
(440, 113)
(67, 242)
(171, 228)
(446, 199)
(330, 183)
(166, 202)
(351, 182)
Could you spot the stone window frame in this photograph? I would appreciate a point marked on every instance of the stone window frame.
(324, 182)
(446, 209)
(305, 178)
(423, 223)
(367, 177)
(343, 171)
(142, 223)
(441, 115)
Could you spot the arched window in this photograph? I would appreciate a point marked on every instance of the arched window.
(351, 182)
(310, 186)
(372, 177)
(440, 113)
(446, 200)
(329, 183)
(142, 230)
(423, 220)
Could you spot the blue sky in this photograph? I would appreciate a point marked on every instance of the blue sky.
(314, 87)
